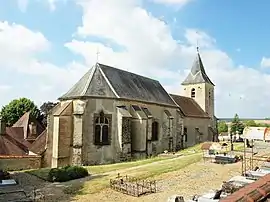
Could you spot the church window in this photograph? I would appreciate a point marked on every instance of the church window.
(185, 134)
(193, 93)
(102, 130)
(155, 131)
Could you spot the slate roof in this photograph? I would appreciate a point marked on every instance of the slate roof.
(189, 107)
(125, 84)
(197, 74)
(79, 88)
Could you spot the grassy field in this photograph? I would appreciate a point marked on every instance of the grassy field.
(101, 169)
(140, 172)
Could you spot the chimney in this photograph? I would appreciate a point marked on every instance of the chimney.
(2, 127)
(33, 129)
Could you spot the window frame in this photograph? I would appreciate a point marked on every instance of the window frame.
(193, 93)
(106, 122)
(155, 136)
(185, 134)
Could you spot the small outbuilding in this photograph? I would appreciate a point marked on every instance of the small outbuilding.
(256, 133)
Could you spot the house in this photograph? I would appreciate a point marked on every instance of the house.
(23, 137)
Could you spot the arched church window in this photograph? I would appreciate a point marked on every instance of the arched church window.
(193, 93)
(154, 131)
(102, 130)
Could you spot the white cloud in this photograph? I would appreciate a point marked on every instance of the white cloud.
(172, 2)
(197, 37)
(148, 42)
(265, 62)
(147, 47)
(21, 69)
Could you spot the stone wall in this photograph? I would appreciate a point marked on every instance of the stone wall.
(12, 163)
(96, 154)
(192, 136)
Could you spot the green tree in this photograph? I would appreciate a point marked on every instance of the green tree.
(222, 127)
(237, 125)
(250, 123)
(263, 125)
(11, 112)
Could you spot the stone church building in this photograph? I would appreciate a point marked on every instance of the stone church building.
(111, 115)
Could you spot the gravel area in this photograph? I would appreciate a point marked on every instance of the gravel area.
(194, 179)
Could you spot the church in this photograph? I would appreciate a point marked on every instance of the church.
(111, 115)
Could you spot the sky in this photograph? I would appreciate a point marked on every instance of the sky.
(47, 45)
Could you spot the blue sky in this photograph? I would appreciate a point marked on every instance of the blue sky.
(232, 35)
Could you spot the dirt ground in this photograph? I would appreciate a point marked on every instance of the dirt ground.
(197, 178)
(193, 179)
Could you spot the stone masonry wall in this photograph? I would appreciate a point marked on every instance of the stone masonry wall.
(12, 163)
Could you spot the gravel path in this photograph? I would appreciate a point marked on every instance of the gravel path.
(194, 179)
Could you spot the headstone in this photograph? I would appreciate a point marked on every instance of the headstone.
(8, 182)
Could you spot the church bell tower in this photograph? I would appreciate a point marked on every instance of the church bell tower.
(198, 86)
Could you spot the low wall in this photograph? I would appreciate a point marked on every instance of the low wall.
(13, 163)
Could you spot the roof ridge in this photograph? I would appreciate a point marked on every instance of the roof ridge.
(118, 69)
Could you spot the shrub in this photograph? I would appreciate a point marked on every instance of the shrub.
(67, 173)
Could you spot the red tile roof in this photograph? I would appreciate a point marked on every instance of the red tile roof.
(24, 122)
(206, 145)
(17, 134)
(189, 107)
(39, 145)
(10, 146)
(253, 192)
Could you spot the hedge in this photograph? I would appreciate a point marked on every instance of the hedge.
(67, 173)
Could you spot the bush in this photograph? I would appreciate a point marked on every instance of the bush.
(67, 173)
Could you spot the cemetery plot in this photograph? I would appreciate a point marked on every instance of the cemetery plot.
(133, 186)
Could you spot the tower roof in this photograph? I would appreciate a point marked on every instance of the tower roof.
(197, 73)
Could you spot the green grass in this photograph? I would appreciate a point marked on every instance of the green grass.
(41, 173)
(167, 166)
(100, 169)
(238, 146)
(145, 172)
(191, 150)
